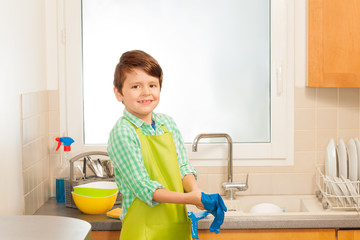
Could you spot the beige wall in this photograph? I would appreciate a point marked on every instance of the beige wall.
(22, 69)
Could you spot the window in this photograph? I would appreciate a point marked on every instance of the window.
(251, 148)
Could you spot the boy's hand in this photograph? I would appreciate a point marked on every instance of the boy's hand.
(196, 199)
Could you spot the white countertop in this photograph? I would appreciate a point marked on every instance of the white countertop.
(39, 227)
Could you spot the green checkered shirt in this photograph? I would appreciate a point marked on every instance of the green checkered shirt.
(125, 153)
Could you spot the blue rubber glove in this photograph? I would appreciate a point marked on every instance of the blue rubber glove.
(195, 217)
(216, 206)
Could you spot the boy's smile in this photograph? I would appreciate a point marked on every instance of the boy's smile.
(140, 94)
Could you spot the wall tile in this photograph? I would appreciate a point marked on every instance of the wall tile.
(348, 118)
(304, 183)
(54, 122)
(26, 182)
(260, 184)
(31, 129)
(320, 158)
(346, 134)
(304, 118)
(305, 97)
(253, 169)
(283, 184)
(215, 183)
(304, 140)
(203, 183)
(36, 143)
(326, 97)
(348, 97)
(304, 161)
(323, 138)
(327, 118)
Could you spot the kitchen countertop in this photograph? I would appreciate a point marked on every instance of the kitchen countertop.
(43, 228)
(242, 221)
(99, 222)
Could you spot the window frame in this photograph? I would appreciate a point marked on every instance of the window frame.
(279, 152)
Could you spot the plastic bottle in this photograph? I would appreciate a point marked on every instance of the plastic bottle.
(63, 170)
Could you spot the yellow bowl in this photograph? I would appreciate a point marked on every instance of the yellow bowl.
(94, 205)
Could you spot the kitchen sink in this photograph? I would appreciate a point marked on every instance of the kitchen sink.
(289, 205)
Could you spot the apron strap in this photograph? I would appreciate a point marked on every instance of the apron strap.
(164, 129)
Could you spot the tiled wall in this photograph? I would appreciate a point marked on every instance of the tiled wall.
(39, 120)
(324, 113)
(320, 114)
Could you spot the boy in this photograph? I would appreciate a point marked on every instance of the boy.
(150, 162)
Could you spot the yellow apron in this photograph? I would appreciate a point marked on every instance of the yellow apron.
(163, 221)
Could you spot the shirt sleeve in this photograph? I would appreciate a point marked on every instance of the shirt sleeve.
(184, 163)
(125, 152)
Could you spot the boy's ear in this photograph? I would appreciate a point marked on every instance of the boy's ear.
(118, 95)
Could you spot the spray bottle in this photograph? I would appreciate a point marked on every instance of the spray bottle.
(63, 170)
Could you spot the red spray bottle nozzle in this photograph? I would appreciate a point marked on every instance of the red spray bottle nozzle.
(66, 141)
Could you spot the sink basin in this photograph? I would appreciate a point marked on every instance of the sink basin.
(290, 205)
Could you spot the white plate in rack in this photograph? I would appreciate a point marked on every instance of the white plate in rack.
(330, 159)
(357, 144)
(344, 189)
(352, 190)
(335, 190)
(342, 159)
(353, 161)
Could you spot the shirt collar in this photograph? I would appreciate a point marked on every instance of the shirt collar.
(138, 122)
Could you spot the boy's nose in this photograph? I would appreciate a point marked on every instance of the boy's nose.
(146, 91)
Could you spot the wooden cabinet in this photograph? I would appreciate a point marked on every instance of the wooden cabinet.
(105, 235)
(348, 234)
(333, 43)
(281, 234)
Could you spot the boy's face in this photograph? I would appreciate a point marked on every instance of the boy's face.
(140, 94)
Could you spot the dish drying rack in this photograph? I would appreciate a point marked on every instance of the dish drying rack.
(88, 176)
(332, 200)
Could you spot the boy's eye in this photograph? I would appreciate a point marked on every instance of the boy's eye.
(153, 85)
(135, 86)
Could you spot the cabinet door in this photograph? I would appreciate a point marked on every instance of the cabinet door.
(281, 234)
(348, 234)
(105, 235)
(333, 43)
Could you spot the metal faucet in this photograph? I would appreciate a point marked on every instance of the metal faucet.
(229, 186)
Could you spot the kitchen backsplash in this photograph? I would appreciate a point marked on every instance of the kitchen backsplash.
(39, 127)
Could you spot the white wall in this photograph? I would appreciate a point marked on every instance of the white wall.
(22, 69)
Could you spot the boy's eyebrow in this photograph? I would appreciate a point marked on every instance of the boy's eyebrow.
(138, 82)
(157, 82)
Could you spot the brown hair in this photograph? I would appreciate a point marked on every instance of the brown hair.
(136, 59)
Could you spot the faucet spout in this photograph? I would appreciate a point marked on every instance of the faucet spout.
(229, 186)
(230, 151)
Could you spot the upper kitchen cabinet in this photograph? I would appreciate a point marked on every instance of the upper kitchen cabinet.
(333, 43)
